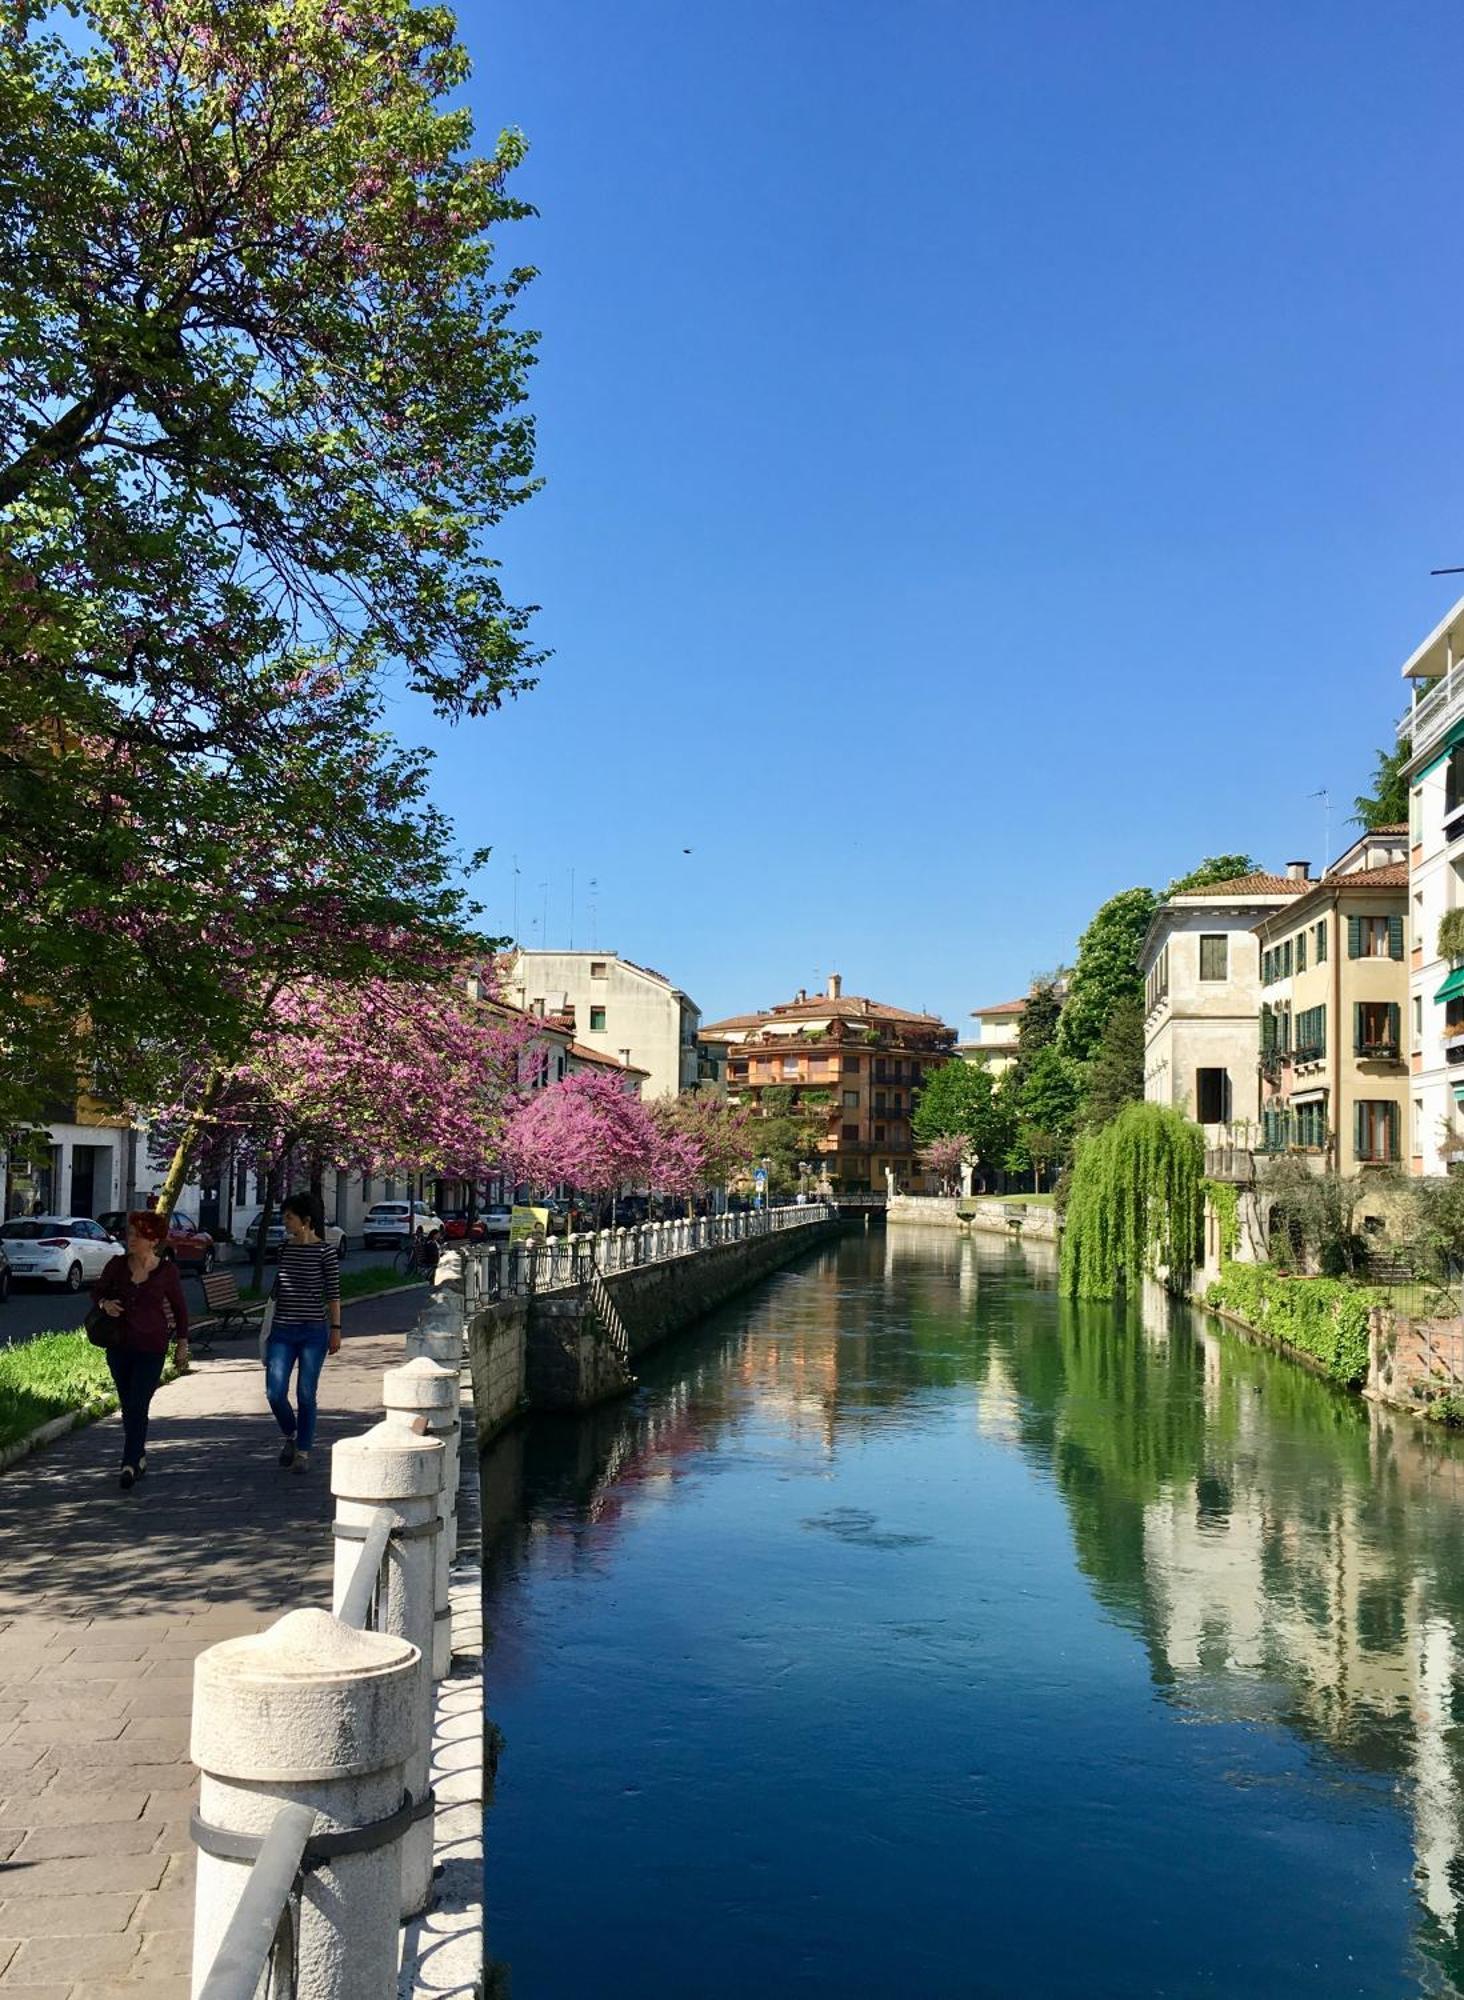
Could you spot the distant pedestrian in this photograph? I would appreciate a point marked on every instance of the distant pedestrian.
(146, 1295)
(307, 1324)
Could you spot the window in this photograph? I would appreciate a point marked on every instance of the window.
(597, 1020)
(1301, 951)
(1374, 937)
(1212, 1096)
(1322, 942)
(1415, 816)
(737, 1069)
(1156, 987)
(1375, 1029)
(879, 1134)
(1214, 957)
(790, 1065)
(1311, 1124)
(1311, 1034)
(879, 1099)
(1376, 1129)
(1275, 1128)
(1454, 784)
(1418, 1017)
(851, 1063)
(599, 968)
(1286, 959)
(848, 1131)
(851, 1100)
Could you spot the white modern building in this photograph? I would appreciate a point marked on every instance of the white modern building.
(1433, 728)
(994, 1048)
(614, 1008)
(1201, 964)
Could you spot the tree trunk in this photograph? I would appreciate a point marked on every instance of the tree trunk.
(193, 1131)
(272, 1184)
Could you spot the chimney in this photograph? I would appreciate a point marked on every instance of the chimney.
(836, 986)
(802, 993)
(1298, 871)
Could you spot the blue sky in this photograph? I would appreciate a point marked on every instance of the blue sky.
(994, 456)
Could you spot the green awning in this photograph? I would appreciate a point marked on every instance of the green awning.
(1453, 986)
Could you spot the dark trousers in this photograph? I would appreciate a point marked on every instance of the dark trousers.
(137, 1377)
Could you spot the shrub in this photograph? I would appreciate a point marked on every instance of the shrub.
(1323, 1317)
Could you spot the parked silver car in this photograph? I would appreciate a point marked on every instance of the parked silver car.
(67, 1250)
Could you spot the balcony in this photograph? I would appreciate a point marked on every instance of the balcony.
(1436, 714)
(1384, 1052)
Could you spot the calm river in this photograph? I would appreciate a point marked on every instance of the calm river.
(911, 1633)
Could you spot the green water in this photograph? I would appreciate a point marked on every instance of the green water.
(913, 1632)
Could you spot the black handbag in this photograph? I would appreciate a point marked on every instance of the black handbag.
(102, 1329)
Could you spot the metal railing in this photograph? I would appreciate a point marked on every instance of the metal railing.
(516, 1270)
(258, 1957)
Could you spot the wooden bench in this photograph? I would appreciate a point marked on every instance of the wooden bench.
(221, 1298)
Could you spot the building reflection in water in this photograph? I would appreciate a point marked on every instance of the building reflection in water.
(1287, 1556)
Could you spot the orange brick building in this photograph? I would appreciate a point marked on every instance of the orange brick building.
(859, 1061)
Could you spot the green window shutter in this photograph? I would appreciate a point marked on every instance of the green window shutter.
(1301, 951)
(1357, 1027)
(1268, 1031)
(1395, 937)
(1265, 968)
(1322, 942)
(1395, 1024)
(1359, 1125)
(1354, 937)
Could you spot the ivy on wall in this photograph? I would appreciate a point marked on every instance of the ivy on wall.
(1323, 1317)
(1224, 1198)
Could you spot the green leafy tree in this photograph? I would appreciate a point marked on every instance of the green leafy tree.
(1038, 1026)
(1115, 1077)
(1387, 803)
(961, 1101)
(1044, 1103)
(259, 376)
(1136, 1203)
(786, 1133)
(1214, 868)
(1105, 971)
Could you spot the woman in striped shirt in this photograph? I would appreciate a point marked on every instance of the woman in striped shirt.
(307, 1324)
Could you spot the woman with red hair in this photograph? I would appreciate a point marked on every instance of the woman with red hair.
(144, 1292)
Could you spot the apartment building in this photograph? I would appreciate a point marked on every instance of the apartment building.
(615, 1008)
(1334, 1020)
(1201, 966)
(1433, 729)
(994, 1048)
(860, 1062)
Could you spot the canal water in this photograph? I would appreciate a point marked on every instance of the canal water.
(912, 1632)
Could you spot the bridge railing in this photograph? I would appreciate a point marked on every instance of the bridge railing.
(505, 1271)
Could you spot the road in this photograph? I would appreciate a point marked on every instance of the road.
(36, 1308)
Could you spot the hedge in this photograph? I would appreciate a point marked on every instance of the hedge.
(1326, 1318)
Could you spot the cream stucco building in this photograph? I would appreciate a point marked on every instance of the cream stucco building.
(1201, 965)
(615, 1008)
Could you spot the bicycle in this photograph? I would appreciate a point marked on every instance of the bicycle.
(417, 1256)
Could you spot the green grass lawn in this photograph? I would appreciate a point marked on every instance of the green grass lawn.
(1031, 1200)
(49, 1377)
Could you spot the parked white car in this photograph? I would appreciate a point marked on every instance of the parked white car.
(388, 1224)
(334, 1235)
(67, 1250)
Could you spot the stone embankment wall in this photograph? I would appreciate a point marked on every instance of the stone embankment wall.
(555, 1352)
(1034, 1221)
(1413, 1361)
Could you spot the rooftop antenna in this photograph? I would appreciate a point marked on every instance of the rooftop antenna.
(1326, 798)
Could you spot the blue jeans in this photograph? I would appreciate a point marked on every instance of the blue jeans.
(308, 1344)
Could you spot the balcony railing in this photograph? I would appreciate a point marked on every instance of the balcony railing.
(1376, 1052)
(1428, 719)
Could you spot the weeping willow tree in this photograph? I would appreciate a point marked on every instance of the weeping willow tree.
(1136, 1203)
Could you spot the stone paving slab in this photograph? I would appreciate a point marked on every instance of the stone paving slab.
(106, 1598)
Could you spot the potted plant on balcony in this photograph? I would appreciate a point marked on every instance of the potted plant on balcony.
(1451, 936)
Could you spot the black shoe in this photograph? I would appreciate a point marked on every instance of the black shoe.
(287, 1452)
(127, 1478)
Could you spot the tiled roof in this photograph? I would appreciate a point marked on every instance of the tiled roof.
(1402, 827)
(1394, 876)
(848, 1007)
(602, 1061)
(1002, 1007)
(1259, 884)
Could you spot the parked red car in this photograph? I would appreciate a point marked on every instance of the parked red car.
(191, 1245)
(457, 1228)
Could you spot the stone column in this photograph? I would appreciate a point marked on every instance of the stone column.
(422, 1388)
(399, 1468)
(308, 1713)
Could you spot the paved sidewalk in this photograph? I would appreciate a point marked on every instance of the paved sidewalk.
(105, 1599)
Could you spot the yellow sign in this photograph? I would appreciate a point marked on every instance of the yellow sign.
(526, 1222)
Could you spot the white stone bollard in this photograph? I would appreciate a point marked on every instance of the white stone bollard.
(307, 1713)
(399, 1468)
(422, 1388)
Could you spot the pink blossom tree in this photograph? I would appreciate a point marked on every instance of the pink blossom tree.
(703, 1142)
(945, 1157)
(587, 1131)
